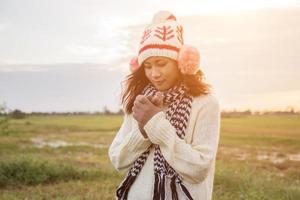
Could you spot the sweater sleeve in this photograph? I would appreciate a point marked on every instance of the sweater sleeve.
(127, 145)
(191, 161)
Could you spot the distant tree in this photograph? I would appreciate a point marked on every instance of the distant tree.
(106, 111)
(17, 114)
(120, 112)
(247, 112)
(291, 109)
(4, 120)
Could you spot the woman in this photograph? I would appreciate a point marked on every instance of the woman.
(168, 141)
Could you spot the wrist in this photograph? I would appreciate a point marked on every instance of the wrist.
(143, 132)
(155, 111)
(151, 114)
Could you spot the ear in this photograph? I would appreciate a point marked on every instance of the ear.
(134, 65)
(188, 59)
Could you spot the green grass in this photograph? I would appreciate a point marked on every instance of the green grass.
(246, 181)
(27, 170)
(68, 123)
(280, 131)
(85, 172)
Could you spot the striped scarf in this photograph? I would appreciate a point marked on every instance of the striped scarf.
(179, 103)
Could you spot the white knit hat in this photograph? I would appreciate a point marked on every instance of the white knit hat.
(163, 37)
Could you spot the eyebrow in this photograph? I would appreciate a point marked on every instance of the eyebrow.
(158, 60)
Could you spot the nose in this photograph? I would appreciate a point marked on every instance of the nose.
(155, 72)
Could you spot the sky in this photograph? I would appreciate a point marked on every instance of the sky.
(71, 55)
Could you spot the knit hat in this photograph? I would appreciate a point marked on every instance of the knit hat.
(164, 37)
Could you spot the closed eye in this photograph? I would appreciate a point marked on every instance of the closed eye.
(161, 63)
(147, 66)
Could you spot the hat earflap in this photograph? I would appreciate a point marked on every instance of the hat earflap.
(134, 65)
(188, 59)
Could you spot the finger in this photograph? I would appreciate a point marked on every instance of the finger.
(155, 100)
(136, 109)
(137, 104)
(150, 98)
(133, 109)
(134, 116)
(160, 96)
(138, 96)
(159, 99)
(142, 99)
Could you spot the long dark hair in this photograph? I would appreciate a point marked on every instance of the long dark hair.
(136, 81)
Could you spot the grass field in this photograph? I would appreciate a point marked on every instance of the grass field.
(65, 157)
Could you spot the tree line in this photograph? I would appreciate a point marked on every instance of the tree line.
(19, 114)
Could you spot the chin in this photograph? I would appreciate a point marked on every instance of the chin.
(162, 88)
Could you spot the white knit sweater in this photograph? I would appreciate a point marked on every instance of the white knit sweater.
(192, 158)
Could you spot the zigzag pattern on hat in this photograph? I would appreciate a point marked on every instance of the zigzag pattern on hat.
(163, 37)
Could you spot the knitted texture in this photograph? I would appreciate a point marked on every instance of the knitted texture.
(179, 103)
(163, 37)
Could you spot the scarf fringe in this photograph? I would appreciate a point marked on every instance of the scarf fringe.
(156, 186)
(173, 188)
(159, 192)
(159, 188)
(123, 189)
(185, 191)
(162, 187)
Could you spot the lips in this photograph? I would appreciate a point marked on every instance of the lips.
(159, 82)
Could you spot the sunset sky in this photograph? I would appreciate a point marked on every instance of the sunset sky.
(71, 55)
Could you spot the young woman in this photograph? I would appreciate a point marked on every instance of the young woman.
(168, 141)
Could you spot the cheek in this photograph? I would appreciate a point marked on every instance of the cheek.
(171, 74)
(147, 73)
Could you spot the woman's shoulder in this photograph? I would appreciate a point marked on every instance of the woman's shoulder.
(209, 99)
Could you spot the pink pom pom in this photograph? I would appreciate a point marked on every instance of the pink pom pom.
(188, 59)
(134, 65)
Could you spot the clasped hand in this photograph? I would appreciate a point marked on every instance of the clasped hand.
(144, 108)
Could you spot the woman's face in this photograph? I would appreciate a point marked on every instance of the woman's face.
(162, 72)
